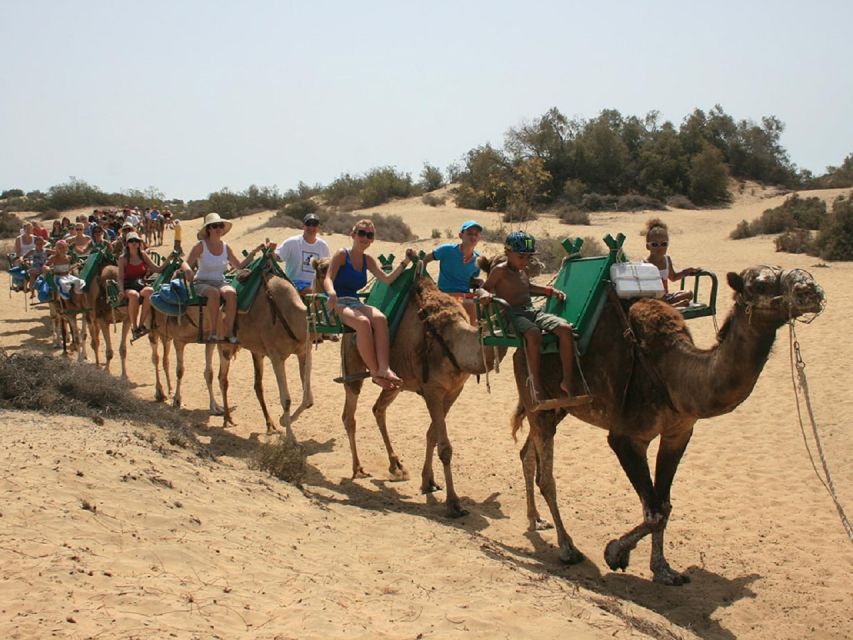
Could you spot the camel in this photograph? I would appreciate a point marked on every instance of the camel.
(660, 388)
(434, 353)
(102, 315)
(276, 326)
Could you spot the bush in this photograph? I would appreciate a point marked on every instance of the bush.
(383, 184)
(795, 241)
(12, 193)
(497, 234)
(630, 202)
(572, 215)
(521, 214)
(35, 382)
(10, 225)
(433, 200)
(299, 209)
(466, 197)
(679, 201)
(741, 231)
(388, 228)
(436, 233)
(283, 459)
(835, 239)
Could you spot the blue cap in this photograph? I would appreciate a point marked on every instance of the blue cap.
(520, 242)
(468, 224)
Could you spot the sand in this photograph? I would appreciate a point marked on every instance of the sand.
(111, 531)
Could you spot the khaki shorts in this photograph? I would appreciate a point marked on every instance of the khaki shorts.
(203, 286)
(528, 318)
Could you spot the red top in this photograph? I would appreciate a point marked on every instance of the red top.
(135, 271)
(41, 233)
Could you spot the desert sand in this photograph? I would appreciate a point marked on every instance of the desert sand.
(111, 531)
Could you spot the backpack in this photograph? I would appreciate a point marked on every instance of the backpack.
(171, 298)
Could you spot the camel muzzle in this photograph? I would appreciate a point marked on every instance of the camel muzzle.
(800, 293)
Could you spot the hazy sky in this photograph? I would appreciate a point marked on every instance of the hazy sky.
(192, 96)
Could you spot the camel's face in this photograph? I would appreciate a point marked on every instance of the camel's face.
(321, 268)
(792, 292)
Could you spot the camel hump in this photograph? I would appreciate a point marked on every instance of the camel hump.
(657, 324)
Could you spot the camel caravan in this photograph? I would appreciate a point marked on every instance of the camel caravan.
(606, 341)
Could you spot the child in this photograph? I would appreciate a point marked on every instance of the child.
(458, 265)
(657, 242)
(511, 282)
(179, 232)
(37, 259)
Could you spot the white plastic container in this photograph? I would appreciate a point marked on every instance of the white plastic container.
(636, 280)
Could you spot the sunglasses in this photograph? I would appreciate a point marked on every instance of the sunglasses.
(312, 223)
(133, 241)
(659, 244)
(216, 225)
(364, 233)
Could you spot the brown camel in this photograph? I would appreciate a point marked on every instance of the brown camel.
(434, 353)
(276, 326)
(661, 388)
(101, 315)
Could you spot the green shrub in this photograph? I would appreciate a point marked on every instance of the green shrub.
(466, 197)
(12, 193)
(299, 209)
(834, 241)
(383, 184)
(431, 178)
(342, 187)
(795, 241)
(390, 228)
(573, 190)
(10, 225)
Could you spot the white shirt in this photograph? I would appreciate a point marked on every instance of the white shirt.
(296, 253)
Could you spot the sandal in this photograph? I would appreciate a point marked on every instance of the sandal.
(232, 340)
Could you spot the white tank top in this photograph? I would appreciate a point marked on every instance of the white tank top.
(210, 266)
(26, 247)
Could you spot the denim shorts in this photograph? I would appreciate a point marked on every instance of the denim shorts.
(349, 302)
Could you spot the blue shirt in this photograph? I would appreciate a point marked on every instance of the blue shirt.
(347, 280)
(454, 275)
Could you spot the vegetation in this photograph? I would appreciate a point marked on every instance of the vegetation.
(10, 225)
(373, 188)
(834, 241)
(794, 213)
(431, 178)
(282, 459)
(433, 200)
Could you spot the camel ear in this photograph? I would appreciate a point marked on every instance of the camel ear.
(314, 263)
(484, 264)
(735, 281)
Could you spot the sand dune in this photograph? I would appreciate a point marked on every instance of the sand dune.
(175, 544)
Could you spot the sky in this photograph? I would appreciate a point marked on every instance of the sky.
(192, 96)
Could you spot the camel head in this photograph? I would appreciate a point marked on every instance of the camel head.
(777, 292)
(321, 268)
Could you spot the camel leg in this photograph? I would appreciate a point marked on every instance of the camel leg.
(153, 341)
(122, 348)
(529, 466)
(215, 409)
(224, 366)
(304, 358)
(542, 435)
(428, 483)
(632, 457)
(352, 391)
(179, 372)
(437, 404)
(380, 409)
(94, 335)
(258, 366)
(284, 397)
(669, 455)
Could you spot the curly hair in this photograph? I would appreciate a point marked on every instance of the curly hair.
(654, 224)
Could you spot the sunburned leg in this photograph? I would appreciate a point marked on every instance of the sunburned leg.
(355, 319)
(133, 308)
(382, 343)
(471, 310)
(566, 341)
(532, 341)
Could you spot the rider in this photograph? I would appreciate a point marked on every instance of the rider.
(133, 265)
(297, 252)
(458, 266)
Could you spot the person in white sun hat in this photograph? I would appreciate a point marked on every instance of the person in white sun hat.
(213, 258)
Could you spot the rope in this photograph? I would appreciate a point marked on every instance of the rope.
(799, 365)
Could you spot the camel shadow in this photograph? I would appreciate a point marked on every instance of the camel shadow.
(689, 606)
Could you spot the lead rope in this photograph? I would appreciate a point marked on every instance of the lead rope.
(799, 365)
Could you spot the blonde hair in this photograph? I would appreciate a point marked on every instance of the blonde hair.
(364, 222)
(656, 224)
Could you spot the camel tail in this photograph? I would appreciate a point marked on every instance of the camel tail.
(517, 420)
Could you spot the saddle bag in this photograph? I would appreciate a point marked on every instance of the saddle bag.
(636, 280)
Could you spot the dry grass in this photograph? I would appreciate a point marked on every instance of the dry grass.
(282, 459)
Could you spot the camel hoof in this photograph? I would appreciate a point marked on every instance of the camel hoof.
(398, 473)
(158, 396)
(539, 524)
(455, 510)
(430, 487)
(176, 403)
(571, 555)
(668, 576)
(615, 556)
(216, 410)
(359, 474)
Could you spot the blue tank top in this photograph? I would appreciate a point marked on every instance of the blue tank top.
(348, 281)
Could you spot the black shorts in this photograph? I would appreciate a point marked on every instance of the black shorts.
(134, 285)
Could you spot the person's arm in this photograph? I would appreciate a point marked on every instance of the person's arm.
(150, 264)
(192, 258)
(487, 291)
(239, 264)
(387, 278)
(678, 275)
(120, 281)
(329, 281)
(548, 292)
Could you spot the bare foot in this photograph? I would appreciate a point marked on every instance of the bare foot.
(383, 382)
(393, 377)
(564, 386)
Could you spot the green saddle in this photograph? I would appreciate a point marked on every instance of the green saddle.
(247, 287)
